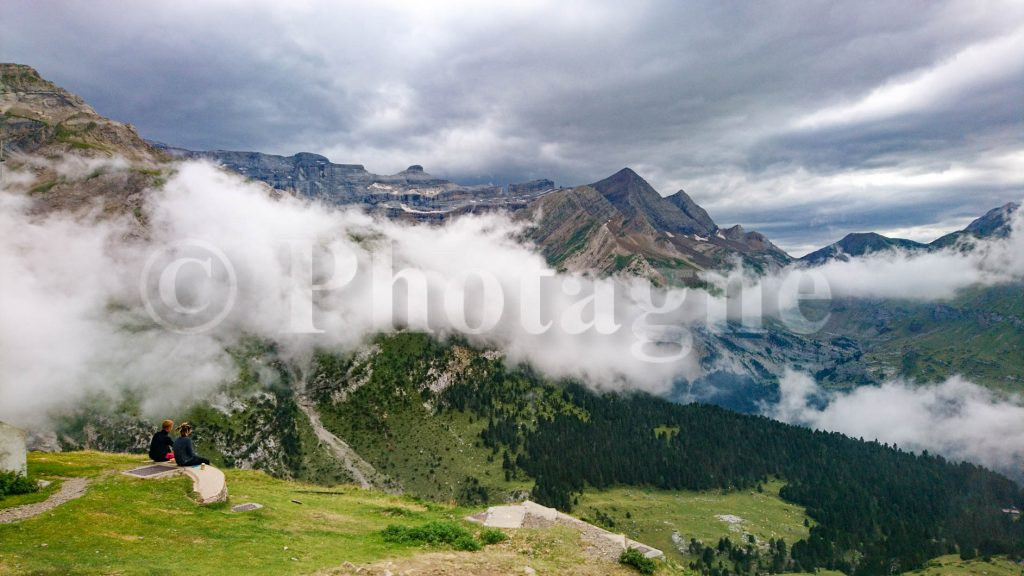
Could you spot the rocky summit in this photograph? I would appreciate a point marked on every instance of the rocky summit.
(62, 141)
(995, 223)
(622, 224)
(42, 118)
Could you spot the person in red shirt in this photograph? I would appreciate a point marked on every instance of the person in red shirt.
(161, 447)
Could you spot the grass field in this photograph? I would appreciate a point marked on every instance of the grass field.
(654, 515)
(954, 566)
(975, 334)
(132, 526)
(128, 526)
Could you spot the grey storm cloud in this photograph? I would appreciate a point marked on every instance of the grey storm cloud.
(806, 120)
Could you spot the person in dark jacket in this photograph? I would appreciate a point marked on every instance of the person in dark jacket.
(184, 452)
(161, 447)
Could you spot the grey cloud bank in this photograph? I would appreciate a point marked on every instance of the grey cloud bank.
(804, 120)
(955, 418)
(74, 322)
(83, 315)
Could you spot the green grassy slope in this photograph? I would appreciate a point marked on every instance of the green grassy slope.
(386, 406)
(130, 526)
(653, 516)
(978, 334)
(126, 525)
(953, 566)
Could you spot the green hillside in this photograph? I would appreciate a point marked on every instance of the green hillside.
(126, 526)
(668, 520)
(978, 334)
(953, 566)
(383, 405)
(449, 423)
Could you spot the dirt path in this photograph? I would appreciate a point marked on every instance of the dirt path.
(71, 488)
(360, 470)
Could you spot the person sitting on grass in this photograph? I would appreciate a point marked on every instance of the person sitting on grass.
(161, 447)
(184, 452)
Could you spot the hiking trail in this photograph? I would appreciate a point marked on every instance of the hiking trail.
(71, 489)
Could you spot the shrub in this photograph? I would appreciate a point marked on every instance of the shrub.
(466, 543)
(636, 559)
(432, 533)
(397, 511)
(14, 483)
(492, 536)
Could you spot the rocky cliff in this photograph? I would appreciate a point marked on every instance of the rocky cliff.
(622, 224)
(411, 194)
(77, 160)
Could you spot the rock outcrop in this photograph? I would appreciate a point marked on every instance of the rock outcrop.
(78, 160)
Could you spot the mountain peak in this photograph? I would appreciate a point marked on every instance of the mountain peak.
(705, 226)
(994, 224)
(860, 244)
(677, 220)
(625, 173)
(643, 208)
(40, 117)
(995, 221)
(24, 93)
(855, 236)
(11, 71)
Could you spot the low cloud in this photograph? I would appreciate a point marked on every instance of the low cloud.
(87, 309)
(955, 418)
(931, 275)
(83, 312)
(897, 274)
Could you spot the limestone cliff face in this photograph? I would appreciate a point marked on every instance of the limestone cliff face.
(79, 161)
(42, 118)
(411, 194)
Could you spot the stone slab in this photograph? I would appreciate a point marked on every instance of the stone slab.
(208, 483)
(505, 517)
(157, 470)
(515, 515)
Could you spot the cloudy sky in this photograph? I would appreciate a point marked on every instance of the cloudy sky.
(805, 120)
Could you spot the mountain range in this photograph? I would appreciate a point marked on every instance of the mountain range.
(445, 420)
(994, 224)
(617, 224)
